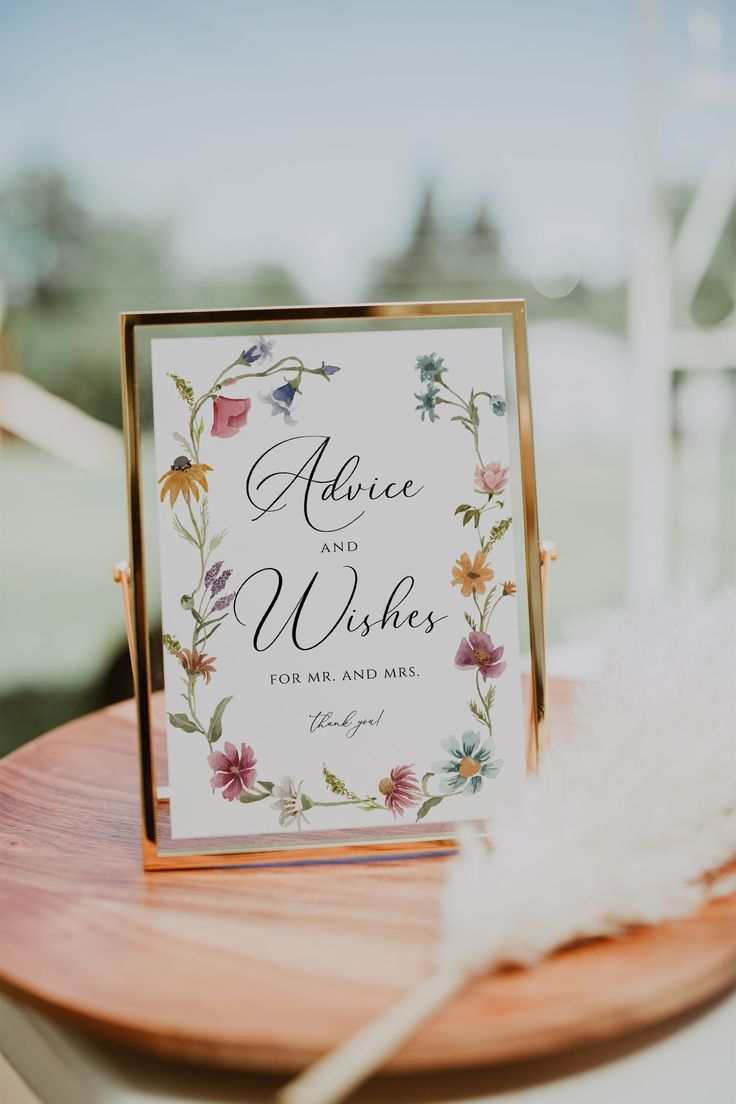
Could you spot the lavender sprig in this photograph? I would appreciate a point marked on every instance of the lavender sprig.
(212, 574)
(219, 584)
(223, 603)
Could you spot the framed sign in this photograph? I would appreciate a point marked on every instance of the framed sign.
(341, 537)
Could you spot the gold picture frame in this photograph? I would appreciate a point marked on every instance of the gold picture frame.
(513, 311)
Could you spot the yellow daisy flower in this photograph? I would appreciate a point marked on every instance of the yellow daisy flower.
(185, 477)
(471, 577)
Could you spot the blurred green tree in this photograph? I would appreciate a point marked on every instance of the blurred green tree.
(67, 272)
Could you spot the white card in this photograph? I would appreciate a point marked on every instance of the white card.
(342, 641)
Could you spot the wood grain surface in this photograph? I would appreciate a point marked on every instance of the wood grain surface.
(265, 968)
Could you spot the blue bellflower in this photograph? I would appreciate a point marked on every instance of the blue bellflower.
(278, 406)
(284, 394)
(250, 356)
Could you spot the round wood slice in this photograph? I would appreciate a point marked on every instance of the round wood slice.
(267, 968)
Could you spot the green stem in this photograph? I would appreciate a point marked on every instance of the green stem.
(200, 545)
(472, 414)
(501, 595)
(281, 365)
(481, 698)
(193, 705)
(459, 398)
(351, 801)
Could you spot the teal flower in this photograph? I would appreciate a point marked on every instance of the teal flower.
(469, 763)
(498, 405)
(430, 367)
(428, 402)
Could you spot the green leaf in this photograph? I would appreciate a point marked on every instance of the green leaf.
(214, 620)
(216, 541)
(428, 804)
(475, 710)
(470, 621)
(468, 516)
(461, 509)
(183, 721)
(248, 798)
(183, 531)
(214, 732)
(266, 785)
(185, 444)
(425, 779)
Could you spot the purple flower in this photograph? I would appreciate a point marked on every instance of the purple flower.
(480, 652)
(212, 574)
(284, 394)
(234, 771)
(219, 584)
(400, 790)
(224, 602)
(329, 370)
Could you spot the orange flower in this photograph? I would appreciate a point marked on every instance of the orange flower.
(184, 477)
(471, 577)
(197, 662)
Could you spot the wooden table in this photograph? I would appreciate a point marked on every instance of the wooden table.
(264, 969)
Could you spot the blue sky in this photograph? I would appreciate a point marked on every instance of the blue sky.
(303, 131)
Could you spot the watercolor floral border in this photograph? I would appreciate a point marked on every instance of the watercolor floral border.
(469, 760)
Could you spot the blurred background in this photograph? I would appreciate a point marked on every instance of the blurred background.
(211, 153)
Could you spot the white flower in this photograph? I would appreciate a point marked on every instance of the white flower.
(277, 408)
(289, 804)
(264, 348)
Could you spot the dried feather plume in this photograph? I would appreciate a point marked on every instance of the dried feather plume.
(627, 815)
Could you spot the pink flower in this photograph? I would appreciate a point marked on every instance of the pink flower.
(479, 651)
(492, 478)
(230, 415)
(400, 790)
(235, 771)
